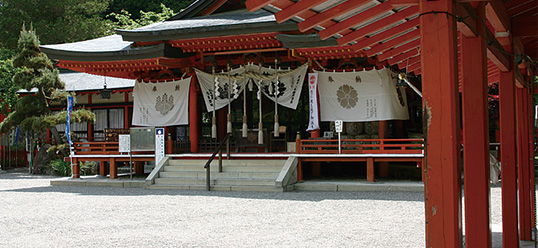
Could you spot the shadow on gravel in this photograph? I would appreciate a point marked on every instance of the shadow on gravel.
(287, 196)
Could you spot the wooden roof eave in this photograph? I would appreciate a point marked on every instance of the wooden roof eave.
(155, 51)
(204, 32)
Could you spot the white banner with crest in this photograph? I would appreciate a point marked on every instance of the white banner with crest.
(361, 96)
(161, 104)
(289, 84)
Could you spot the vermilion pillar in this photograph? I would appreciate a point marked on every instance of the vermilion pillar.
(193, 115)
(524, 158)
(475, 137)
(507, 117)
(441, 124)
(383, 133)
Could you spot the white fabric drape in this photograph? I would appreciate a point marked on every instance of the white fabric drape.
(289, 84)
(161, 104)
(361, 96)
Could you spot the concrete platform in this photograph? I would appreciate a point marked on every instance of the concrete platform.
(359, 185)
(123, 181)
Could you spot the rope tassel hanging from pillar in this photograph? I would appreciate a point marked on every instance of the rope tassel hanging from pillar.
(260, 123)
(276, 92)
(214, 118)
(229, 123)
(245, 126)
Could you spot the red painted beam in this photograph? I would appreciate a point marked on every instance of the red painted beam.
(498, 16)
(524, 8)
(385, 35)
(442, 125)
(525, 26)
(469, 27)
(507, 122)
(253, 5)
(414, 68)
(385, 22)
(382, 47)
(404, 65)
(329, 14)
(401, 49)
(475, 137)
(296, 9)
(355, 20)
(403, 56)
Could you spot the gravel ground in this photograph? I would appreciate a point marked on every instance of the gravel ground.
(35, 214)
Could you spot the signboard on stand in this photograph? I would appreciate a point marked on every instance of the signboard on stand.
(124, 143)
(338, 126)
(159, 144)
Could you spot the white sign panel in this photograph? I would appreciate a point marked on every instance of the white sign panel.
(338, 125)
(159, 145)
(124, 142)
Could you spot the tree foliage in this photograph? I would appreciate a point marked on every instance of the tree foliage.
(55, 21)
(36, 71)
(8, 91)
(124, 19)
(135, 6)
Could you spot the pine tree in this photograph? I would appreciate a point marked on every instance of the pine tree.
(36, 71)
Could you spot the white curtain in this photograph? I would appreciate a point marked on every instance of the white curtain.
(361, 96)
(161, 104)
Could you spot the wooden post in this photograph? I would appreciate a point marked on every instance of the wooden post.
(113, 169)
(102, 168)
(370, 170)
(76, 168)
(316, 166)
(193, 116)
(523, 164)
(441, 124)
(383, 133)
(507, 116)
(475, 136)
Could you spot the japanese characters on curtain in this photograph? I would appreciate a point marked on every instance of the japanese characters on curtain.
(361, 96)
(161, 104)
(288, 87)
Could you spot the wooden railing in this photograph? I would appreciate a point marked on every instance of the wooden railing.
(207, 165)
(94, 148)
(361, 146)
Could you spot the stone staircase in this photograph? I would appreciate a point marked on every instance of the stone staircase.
(236, 175)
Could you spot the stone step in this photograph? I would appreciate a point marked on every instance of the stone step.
(174, 162)
(218, 182)
(216, 175)
(229, 168)
(219, 188)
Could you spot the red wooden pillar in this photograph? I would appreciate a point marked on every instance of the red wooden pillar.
(475, 137)
(524, 157)
(316, 166)
(441, 124)
(370, 175)
(193, 116)
(507, 117)
(383, 133)
(113, 169)
(76, 168)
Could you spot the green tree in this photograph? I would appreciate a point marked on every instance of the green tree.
(8, 91)
(124, 19)
(57, 21)
(134, 6)
(36, 71)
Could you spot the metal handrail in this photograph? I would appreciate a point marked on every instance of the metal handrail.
(207, 165)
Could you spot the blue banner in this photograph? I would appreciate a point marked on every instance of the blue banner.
(17, 133)
(68, 122)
